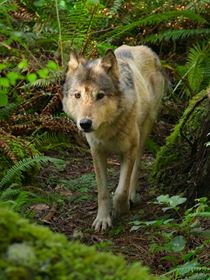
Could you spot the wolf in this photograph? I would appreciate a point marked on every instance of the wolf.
(114, 100)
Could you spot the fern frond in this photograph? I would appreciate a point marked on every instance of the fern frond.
(50, 140)
(155, 19)
(191, 270)
(52, 79)
(116, 6)
(6, 111)
(175, 35)
(9, 193)
(197, 276)
(24, 165)
(80, 22)
(198, 61)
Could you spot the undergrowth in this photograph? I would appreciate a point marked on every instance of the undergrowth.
(36, 38)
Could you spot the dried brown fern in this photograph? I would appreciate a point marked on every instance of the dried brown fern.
(53, 104)
(5, 149)
(21, 12)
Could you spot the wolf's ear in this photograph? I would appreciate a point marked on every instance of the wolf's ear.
(109, 63)
(74, 61)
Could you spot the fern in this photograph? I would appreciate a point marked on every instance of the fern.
(50, 140)
(24, 165)
(191, 271)
(52, 79)
(155, 19)
(197, 276)
(198, 61)
(6, 111)
(79, 24)
(116, 6)
(176, 35)
(9, 193)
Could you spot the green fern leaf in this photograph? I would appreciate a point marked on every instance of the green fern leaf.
(155, 19)
(9, 193)
(24, 165)
(175, 35)
(50, 140)
(198, 61)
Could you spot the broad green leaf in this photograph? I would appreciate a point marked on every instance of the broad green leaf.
(4, 82)
(163, 199)
(52, 65)
(43, 73)
(172, 201)
(3, 99)
(32, 77)
(23, 64)
(176, 200)
(178, 244)
(2, 66)
(13, 77)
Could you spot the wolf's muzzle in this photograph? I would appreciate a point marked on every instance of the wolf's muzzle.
(86, 125)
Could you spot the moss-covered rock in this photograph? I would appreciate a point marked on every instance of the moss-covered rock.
(32, 252)
(175, 168)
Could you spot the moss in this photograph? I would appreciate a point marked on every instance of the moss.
(174, 159)
(29, 251)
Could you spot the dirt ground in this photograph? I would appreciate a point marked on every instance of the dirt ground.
(75, 209)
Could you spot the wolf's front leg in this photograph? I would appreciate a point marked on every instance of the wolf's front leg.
(121, 198)
(103, 218)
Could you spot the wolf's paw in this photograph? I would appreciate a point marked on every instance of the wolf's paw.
(134, 200)
(102, 222)
(121, 204)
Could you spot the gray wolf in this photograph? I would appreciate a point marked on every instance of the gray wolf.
(115, 100)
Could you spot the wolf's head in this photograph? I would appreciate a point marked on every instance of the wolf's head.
(91, 91)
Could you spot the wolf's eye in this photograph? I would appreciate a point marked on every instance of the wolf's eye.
(100, 95)
(77, 95)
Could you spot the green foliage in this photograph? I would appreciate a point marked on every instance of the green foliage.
(20, 76)
(198, 61)
(191, 271)
(15, 198)
(80, 187)
(175, 35)
(19, 199)
(171, 202)
(50, 141)
(25, 165)
(178, 146)
(160, 21)
(169, 229)
(31, 251)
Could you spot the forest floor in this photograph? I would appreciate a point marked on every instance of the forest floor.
(75, 208)
(75, 187)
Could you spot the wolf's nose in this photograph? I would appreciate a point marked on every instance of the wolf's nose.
(85, 124)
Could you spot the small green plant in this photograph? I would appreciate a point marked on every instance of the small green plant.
(174, 234)
(172, 203)
(191, 270)
(20, 76)
(80, 187)
(21, 167)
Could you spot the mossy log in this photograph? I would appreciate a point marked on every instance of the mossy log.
(29, 251)
(182, 165)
